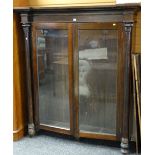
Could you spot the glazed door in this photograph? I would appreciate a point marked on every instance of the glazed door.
(97, 78)
(88, 104)
(52, 64)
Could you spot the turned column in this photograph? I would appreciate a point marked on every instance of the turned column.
(127, 50)
(26, 24)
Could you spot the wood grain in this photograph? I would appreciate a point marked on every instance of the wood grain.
(136, 35)
(20, 3)
(98, 136)
(58, 3)
(61, 3)
(19, 98)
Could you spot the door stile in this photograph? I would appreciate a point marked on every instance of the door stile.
(99, 26)
(76, 80)
(70, 65)
(63, 26)
(120, 83)
(73, 72)
(35, 77)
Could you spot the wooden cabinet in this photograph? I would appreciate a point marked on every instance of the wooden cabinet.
(78, 69)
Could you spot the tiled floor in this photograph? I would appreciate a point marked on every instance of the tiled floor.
(52, 145)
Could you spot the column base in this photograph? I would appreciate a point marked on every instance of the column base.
(31, 130)
(125, 146)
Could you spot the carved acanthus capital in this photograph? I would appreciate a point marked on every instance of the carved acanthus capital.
(128, 26)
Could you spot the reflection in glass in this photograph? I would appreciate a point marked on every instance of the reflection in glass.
(52, 59)
(97, 80)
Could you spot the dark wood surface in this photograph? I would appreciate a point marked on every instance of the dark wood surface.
(98, 136)
(117, 8)
(76, 81)
(93, 19)
(127, 83)
(58, 130)
(120, 82)
(119, 74)
(127, 74)
(56, 26)
(25, 20)
(35, 77)
(71, 82)
(117, 27)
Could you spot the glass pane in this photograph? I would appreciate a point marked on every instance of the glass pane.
(97, 80)
(52, 58)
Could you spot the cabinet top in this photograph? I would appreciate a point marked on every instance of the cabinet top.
(116, 8)
(96, 14)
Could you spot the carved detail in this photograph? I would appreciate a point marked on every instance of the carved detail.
(128, 27)
(124, 145)
(25, 18)
(127, 50)
(31, 130)
(26, 24)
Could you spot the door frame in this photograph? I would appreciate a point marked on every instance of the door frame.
(120, 76)
(73, 77)
(60, 26)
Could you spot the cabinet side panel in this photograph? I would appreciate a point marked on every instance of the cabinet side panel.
(19, 92)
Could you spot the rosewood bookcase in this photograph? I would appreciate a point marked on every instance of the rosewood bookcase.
(78, 71)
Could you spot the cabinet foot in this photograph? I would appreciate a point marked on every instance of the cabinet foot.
(77, 138)
(125, 146)
(31, 130)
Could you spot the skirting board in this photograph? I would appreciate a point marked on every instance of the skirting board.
(18, 134)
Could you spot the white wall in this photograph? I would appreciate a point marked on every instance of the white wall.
(127, 1)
